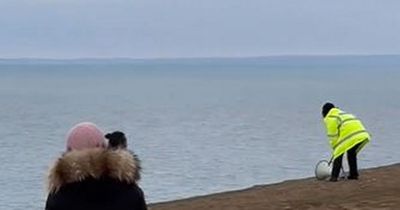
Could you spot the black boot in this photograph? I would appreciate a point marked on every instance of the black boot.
(333, 179)
(352, 177)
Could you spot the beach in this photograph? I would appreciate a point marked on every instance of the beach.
(377, 188)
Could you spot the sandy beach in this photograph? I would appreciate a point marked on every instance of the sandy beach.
(377, 188)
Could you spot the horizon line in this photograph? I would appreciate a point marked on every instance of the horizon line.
(192, 57)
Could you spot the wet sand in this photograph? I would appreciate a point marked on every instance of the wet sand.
(377, 188)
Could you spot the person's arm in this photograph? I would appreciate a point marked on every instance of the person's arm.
(143, 205)
(332, 131)
(50, 202)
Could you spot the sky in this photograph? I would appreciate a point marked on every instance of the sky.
(196, 28)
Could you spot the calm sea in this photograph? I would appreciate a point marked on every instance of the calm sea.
(199, 125)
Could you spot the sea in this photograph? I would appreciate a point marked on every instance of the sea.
(199, 125)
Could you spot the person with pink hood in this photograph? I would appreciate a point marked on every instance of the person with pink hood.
(89, 176)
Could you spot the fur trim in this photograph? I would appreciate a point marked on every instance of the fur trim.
(75, 166)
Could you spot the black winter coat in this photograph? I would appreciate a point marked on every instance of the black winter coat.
(95, 179)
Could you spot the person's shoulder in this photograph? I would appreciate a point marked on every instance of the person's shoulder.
(78, 166)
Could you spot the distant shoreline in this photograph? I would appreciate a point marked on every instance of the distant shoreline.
(378, 188)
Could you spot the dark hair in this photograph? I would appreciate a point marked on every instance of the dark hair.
(116, 140)
(326, 108)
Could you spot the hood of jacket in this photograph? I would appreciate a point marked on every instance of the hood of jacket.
(76, 166)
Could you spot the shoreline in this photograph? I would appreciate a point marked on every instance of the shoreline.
(377, 188)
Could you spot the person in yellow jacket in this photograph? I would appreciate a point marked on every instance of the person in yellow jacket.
(346, 134)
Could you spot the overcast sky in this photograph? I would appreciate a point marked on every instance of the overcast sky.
(197, 28)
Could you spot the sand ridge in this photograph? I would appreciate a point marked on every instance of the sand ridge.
(377, 188)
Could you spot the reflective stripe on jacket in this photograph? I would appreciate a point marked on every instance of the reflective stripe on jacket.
(344, 132)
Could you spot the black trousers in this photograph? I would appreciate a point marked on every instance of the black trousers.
(352, 160)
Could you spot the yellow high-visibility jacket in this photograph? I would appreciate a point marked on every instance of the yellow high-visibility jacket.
(344, 132)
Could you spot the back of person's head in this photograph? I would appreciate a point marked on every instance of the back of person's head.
(326, 108)
(116, 140)
(85, 135)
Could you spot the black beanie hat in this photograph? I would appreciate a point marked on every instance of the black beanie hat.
(326, 108)
(116, 139)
